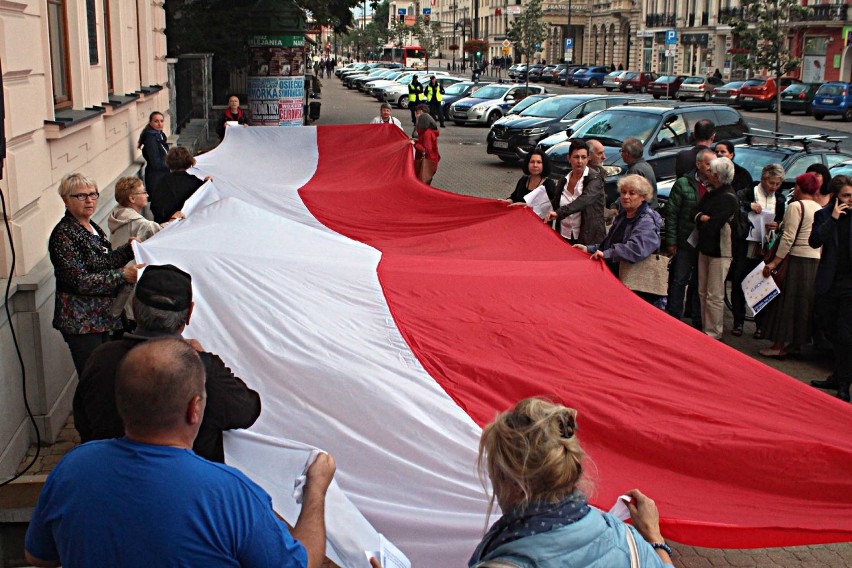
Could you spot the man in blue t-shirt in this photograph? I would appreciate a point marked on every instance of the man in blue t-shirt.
(147, 500)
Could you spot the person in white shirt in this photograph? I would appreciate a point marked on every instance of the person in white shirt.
(385, 116)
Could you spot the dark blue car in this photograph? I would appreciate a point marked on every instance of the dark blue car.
(591, 77)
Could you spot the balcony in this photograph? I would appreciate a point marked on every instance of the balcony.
(726, 15)
(702, 20)
(660, 20)
(825, 13)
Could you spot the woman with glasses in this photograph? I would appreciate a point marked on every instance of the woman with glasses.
(89, 274)
(535, 463)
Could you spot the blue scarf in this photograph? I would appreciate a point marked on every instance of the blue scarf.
(535, 518)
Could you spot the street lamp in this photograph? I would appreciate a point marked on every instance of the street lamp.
(455, 25)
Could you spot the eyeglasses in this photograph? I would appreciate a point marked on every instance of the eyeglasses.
(84, 196)
(141, 193)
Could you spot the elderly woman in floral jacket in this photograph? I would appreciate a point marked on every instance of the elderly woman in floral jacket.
(89, 274)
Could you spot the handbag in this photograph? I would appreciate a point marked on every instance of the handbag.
(780, 272)
(650, 275)
(425, 169)
(634, 550)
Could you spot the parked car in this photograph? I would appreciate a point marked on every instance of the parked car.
(554, 73)
(666, 86)
(571, 71)
(697, 87)
(637, 81)
(524, 105)
(456, 92)
(728, 94)
(798, 97)
(664, 128)
(833, 98)
(795, 153)
(511, 140)
(762, 93)
(534, 73)
(490, 103)
(841, 169)
(397, 92)
(613, 80)
(512, 72)
(591, 77)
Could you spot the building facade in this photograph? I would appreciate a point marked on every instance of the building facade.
(79, 81)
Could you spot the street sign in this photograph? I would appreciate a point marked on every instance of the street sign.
(538, 47)
(427, 11)
(569, 43)
(506, 51)
(671, 37)
(401, 11)
(507, 44)
(670, 53)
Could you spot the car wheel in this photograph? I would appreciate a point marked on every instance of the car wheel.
(847, 116)
(808, 111)
(593, 83)
(402, 102)
(681, 99)
(786, 111)
(819, 116)
(706, 97)
(508, 159)
(493, 117)
(656, 97)
(773, 106)
(458, 122)
(608, 89)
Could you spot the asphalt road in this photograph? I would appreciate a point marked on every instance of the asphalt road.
(465, 168)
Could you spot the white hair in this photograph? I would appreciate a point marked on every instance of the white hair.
(723, 168)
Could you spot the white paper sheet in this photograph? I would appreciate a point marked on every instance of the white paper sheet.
(757, 230)
(539, 201)
(759, 290)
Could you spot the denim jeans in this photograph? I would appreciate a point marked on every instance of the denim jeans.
(683, 271)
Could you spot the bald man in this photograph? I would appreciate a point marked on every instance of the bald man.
(597, 155)
(148, 500)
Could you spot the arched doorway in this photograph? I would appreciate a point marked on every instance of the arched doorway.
(613, 43)
(603, 46)
(595, 42)
(628, 44)
(846, 65)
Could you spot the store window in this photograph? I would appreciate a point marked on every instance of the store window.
(60, 72)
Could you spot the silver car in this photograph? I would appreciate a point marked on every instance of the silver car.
(490, 103)
(613, 80)
(697, 87)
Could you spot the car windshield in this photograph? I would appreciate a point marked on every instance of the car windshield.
(796, 88)
(628, 76)
(754, 83)
(693, 80)
(667, 79)
(611, 128)
(551, 108)
(456, 89)
(614, 74)
(732, 85)
(754, 159)
(831, 90)
(492, 92)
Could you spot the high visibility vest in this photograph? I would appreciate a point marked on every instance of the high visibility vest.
(415, 93)
(437, 92)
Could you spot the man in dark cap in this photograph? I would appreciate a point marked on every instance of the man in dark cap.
(162, 305)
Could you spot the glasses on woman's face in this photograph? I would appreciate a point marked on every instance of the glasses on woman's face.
(84, 196)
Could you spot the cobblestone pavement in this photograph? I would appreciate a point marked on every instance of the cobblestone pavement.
(465, 168)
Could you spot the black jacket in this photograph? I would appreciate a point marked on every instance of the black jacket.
(240, 118)
(720, 205)
(230, 403)
(591, 205)
(685, 160)
(825, 234)
(521, 188)
(171, 193)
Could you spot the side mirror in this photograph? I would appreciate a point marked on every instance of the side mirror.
(510, 97)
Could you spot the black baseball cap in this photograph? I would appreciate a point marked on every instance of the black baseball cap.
(165, 287)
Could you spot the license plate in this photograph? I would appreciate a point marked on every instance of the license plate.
(827, 101)
(748, 98)
(499, 144)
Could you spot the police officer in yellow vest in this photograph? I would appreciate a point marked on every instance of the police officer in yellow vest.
(415, 95)
(434, 93)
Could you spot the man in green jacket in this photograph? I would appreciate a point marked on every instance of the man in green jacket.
(680, 223)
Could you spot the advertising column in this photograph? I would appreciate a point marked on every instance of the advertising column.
(276, 82)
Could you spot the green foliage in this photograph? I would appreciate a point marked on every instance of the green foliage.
(527, 29)
(428, 35)
(761, 34)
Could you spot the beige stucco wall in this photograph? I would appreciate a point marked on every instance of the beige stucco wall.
(38, 155)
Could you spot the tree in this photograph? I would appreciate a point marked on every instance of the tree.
(528, 31)
(760, 34)
(428, 35)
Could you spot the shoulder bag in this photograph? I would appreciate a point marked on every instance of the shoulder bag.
(649, 275)
(634, 550)
(780, 272)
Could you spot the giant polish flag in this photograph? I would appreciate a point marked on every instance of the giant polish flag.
(387, 322)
